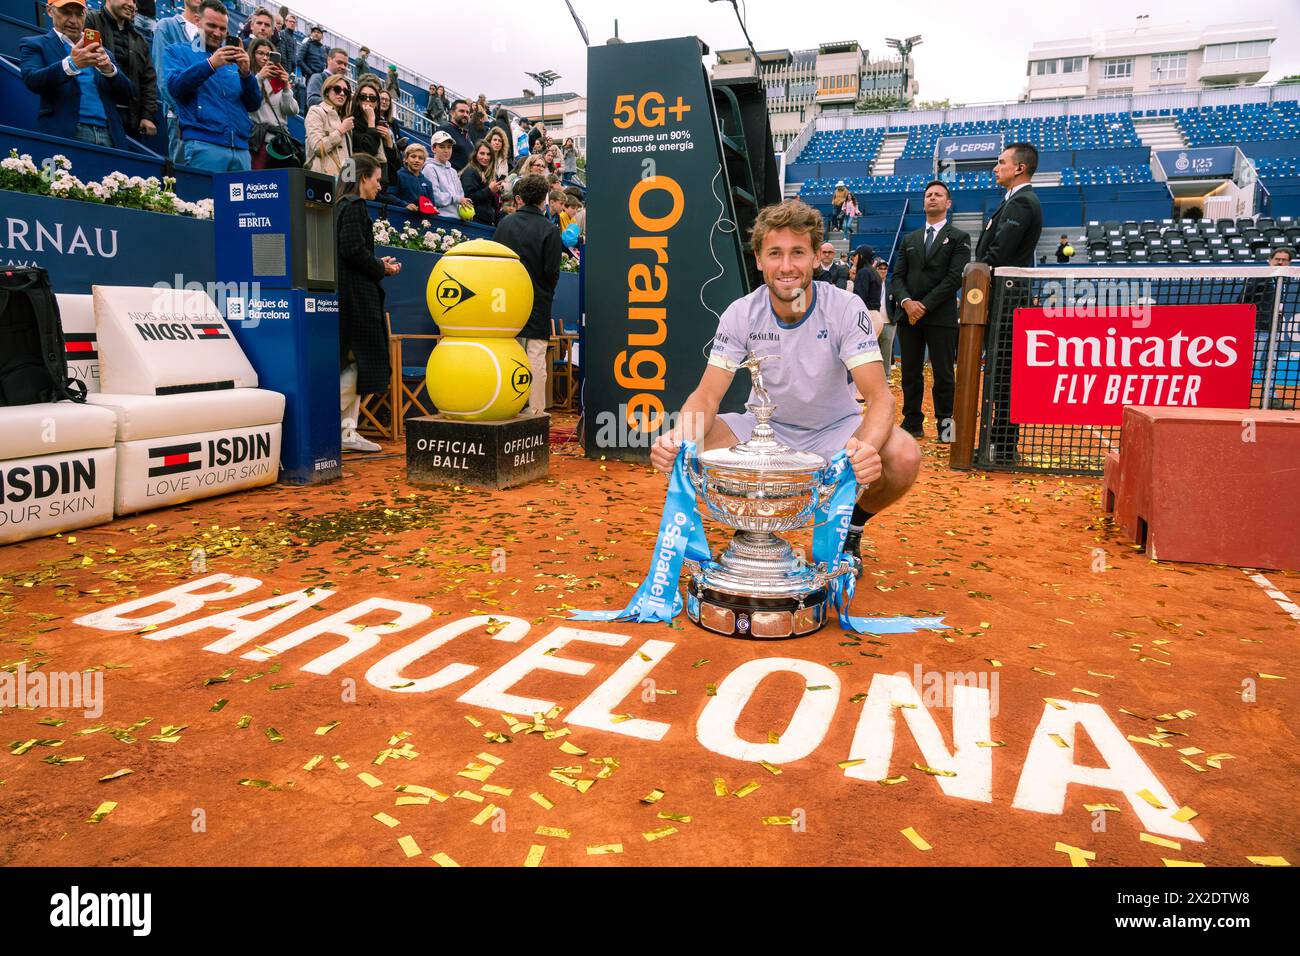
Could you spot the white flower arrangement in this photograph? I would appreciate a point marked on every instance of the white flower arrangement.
(423, 238)
(54, 178)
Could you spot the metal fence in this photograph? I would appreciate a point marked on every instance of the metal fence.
(1075, 449)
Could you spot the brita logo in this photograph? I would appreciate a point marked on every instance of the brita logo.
(1182, 162)
(236, 192)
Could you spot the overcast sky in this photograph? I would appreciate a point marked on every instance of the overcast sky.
(972, 52)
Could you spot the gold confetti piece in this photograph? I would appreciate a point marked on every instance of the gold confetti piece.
(719, 787)
(902, 706)
(442, 859)
(59, 761)
(1268, 860)
(994, 661)
(411, 801)
(990, 743)
(499, 791)
(658, 834)
(218, 705)
(541, 800)
(115, 775)
(1160, 841)
(857, 698)
(1184, 814)
(497, 738)
(819, 687)
(103, 810)
(1041, 671)
(473, 721)
(773, 769)
(1099, 674)
(674, 817)
(552, 734)
(280, 686)
(778, 821)
(339, 762)
(1131, 714)
(243, 722)
(484, 815)
(1191, 751)
(1036, 647)
(1213, 760)
(535, 853)
(468, 795)
(1271, 677)
(1078, 856)
(274, 735)
(1053, 702)
(915, 839)
(1058, 740)
(1168, 862)
(409, 846)
(1086, 693)
(261, 784)
(710, 690)
(746, 790)
(582, 786)
(773, 737)
(933, 771)
(385, 819)
(220, 678)
(326, 728)
(23, 747)
(654, 796)
(369, 779)
(479, 772)
(846, 764)
(560, 832)
(1098, 807)
(1194, 766)
(571, 748)
(1150, 798)
(890, 781)
(701, 662)
(601, 849)
(493, 759)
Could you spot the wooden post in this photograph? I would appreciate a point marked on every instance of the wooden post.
(977, 279)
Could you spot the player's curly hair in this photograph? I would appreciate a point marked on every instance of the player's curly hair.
(792, 214)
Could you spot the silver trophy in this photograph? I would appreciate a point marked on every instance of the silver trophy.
(758, 587)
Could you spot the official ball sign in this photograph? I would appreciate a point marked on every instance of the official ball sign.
(1070, 367)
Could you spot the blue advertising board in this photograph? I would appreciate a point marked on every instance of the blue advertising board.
(963, 149)
(1199, 163)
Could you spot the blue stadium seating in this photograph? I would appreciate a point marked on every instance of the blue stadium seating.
(1094, 131)
(1240, 123)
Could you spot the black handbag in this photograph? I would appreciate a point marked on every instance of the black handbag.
(33, 356)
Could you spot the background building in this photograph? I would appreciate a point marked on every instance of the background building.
(569, 110)
(833, 78)
(1150, 58)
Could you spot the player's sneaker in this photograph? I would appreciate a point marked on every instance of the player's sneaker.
(354, 442)
(853, 548)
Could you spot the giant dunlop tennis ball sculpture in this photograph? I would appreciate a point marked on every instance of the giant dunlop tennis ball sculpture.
(480, 296)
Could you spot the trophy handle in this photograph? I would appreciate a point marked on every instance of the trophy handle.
(823, 577)
(694, 474)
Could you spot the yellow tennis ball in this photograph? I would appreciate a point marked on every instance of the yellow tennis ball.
(480, 290)
(474, 380)
(1068, 250)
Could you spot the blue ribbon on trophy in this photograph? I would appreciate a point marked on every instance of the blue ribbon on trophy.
(681, 536)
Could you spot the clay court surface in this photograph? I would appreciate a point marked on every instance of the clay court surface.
(1008, 561)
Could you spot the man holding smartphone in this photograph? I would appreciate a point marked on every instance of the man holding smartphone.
(79, 84)
(214, 90)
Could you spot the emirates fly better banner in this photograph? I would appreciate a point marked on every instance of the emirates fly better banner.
(1073, 369)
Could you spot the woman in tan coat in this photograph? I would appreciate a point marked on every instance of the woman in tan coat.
(329, 128)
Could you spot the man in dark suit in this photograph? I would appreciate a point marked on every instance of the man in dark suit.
(927, 278)
(1009, 239)
(79, 84)
(829, 269)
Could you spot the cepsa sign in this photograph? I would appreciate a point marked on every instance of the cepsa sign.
(1083, 368)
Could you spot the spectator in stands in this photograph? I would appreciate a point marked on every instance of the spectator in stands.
(363, 62)
(270, 139)
(850, 213)
(287, 41)
(828, 268)
(577, 212)
(501, 121)
(927, 279)
(312, 56)
(569, 162)
(478, 123)
(887, 309)
(214, 90)
(521, 141)
(392, 85)
(369, 135)
(1061, 255)
(182, 28)
(509, 204)
(481, 186)
(556, 210)
(498, 142)
(386, 115)
(261, 26)
(411, 184)
(363, 337)
(536, 136)
(537, 241)
(329, 128)
(456, 128)
(866, 286)
(437, 108)
(448, 193)
(79, 84)
(837, 201)
(130, 49)
(1009, 239)
(147, 12)
(335, 65)
(1281, 257)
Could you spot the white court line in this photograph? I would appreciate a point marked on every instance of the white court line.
(1279, 598)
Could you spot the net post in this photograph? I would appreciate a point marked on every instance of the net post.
(977, 278)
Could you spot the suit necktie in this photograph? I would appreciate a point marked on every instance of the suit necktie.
(929, 239)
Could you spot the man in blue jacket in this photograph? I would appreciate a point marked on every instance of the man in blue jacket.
(214, 90)
(182, 28)
(78, 83)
